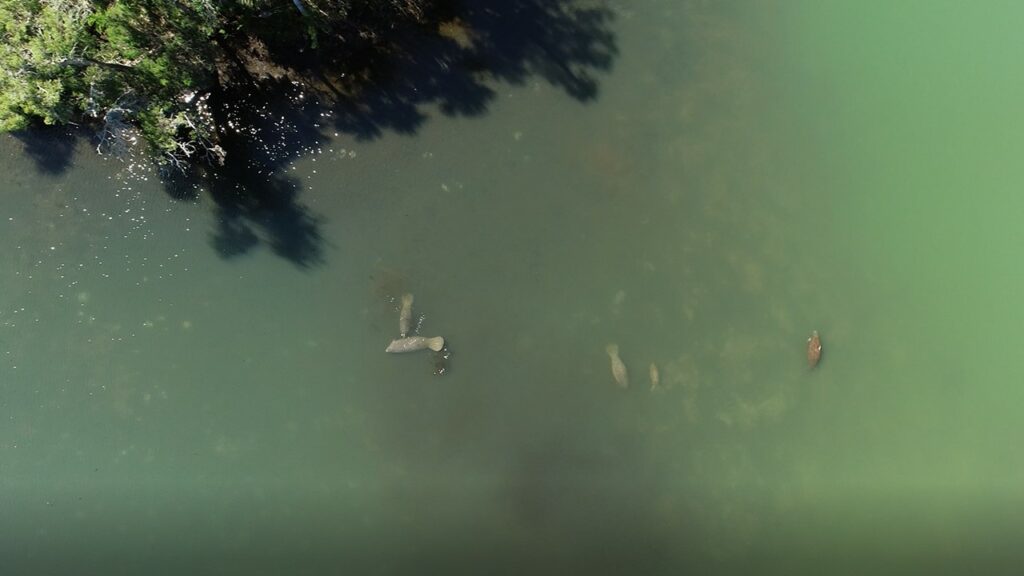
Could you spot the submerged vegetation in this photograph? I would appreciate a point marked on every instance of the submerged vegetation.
(143, 71)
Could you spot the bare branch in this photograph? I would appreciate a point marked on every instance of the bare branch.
(118, 136)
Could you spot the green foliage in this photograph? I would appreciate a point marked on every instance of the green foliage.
(136, 66)
(33, 83)
(72, 60)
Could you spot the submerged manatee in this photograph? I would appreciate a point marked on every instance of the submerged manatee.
(618, 368)
(441, 361)
(655, 377)
(813, 349)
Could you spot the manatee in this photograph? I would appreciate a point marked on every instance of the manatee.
(441, 362)
(414, 343)
(618, 368)
(405, 316)
(813, 349)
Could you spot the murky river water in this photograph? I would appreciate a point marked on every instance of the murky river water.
(199, 385)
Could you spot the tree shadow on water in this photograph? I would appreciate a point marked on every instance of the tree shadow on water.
(51, 148)
(456, 62)
(284, 100)
(564, 43)
(252, 213)
(256, 200)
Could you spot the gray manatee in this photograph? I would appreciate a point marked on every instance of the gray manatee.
(414, 343)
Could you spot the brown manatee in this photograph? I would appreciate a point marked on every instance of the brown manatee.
(813, 349)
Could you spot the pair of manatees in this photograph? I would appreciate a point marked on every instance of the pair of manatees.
(619, 368)
(408, 343)
(622, 376)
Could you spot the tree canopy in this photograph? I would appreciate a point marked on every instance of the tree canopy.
(143, 70)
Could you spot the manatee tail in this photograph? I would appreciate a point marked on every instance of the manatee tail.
(436, 343)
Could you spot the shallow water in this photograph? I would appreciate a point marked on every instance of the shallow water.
(198, 385)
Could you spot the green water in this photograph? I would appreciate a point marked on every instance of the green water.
(172, 401)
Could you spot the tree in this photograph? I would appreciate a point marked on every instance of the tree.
(137, 67)
(143, 70)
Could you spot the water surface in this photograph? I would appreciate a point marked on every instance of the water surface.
(199, 384)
